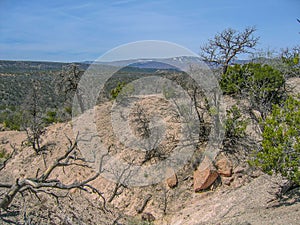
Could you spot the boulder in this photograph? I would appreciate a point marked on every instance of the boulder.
(224, 166)
(205, 175)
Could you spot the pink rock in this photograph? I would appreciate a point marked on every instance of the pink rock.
(224, 166)
(172, 180)
(205, 175)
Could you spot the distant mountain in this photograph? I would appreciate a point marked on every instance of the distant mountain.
(163, 63)
(241, 61)
(152, 64)
(11, 66)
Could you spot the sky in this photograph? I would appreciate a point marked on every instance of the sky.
(77, 30)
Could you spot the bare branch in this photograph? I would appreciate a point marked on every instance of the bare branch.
(225, 46)
(121, 179)
(4, 163)
(39, 183)
(144, 203)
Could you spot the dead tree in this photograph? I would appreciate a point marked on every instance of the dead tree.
(67, 83)
(142, 129)
(200, 110)
(43, 183)
(33, 122)
(225, 46)
(141, 122)
(120, 183)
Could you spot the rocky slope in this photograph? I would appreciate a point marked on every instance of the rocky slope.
(239, 194)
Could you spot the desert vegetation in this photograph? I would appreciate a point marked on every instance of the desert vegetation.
(262, 130)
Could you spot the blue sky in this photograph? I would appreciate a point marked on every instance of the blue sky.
(76, 30)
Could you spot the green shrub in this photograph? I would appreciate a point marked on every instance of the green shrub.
(261, 84)
(115, 92)
(122, 91)
(68, 110)
(169, 92)
(235, 127)
(12, 120)
(265, 84)
(136, 221)
(51, 117)
(3, 154)
(290, 62)
(280, 151)
(233, 81)
(260, 80)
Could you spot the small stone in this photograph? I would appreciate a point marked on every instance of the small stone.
(172, 179)
(224, 166)
(239, 169)
(227, 180)
(237, 183)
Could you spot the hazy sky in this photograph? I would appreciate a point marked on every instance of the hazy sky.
(77, 30)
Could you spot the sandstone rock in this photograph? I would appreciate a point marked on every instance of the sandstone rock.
(204, 179)
(205, 175)
(172, 180)
(224, 166)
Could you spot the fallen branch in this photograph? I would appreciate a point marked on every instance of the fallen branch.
(39, 183)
